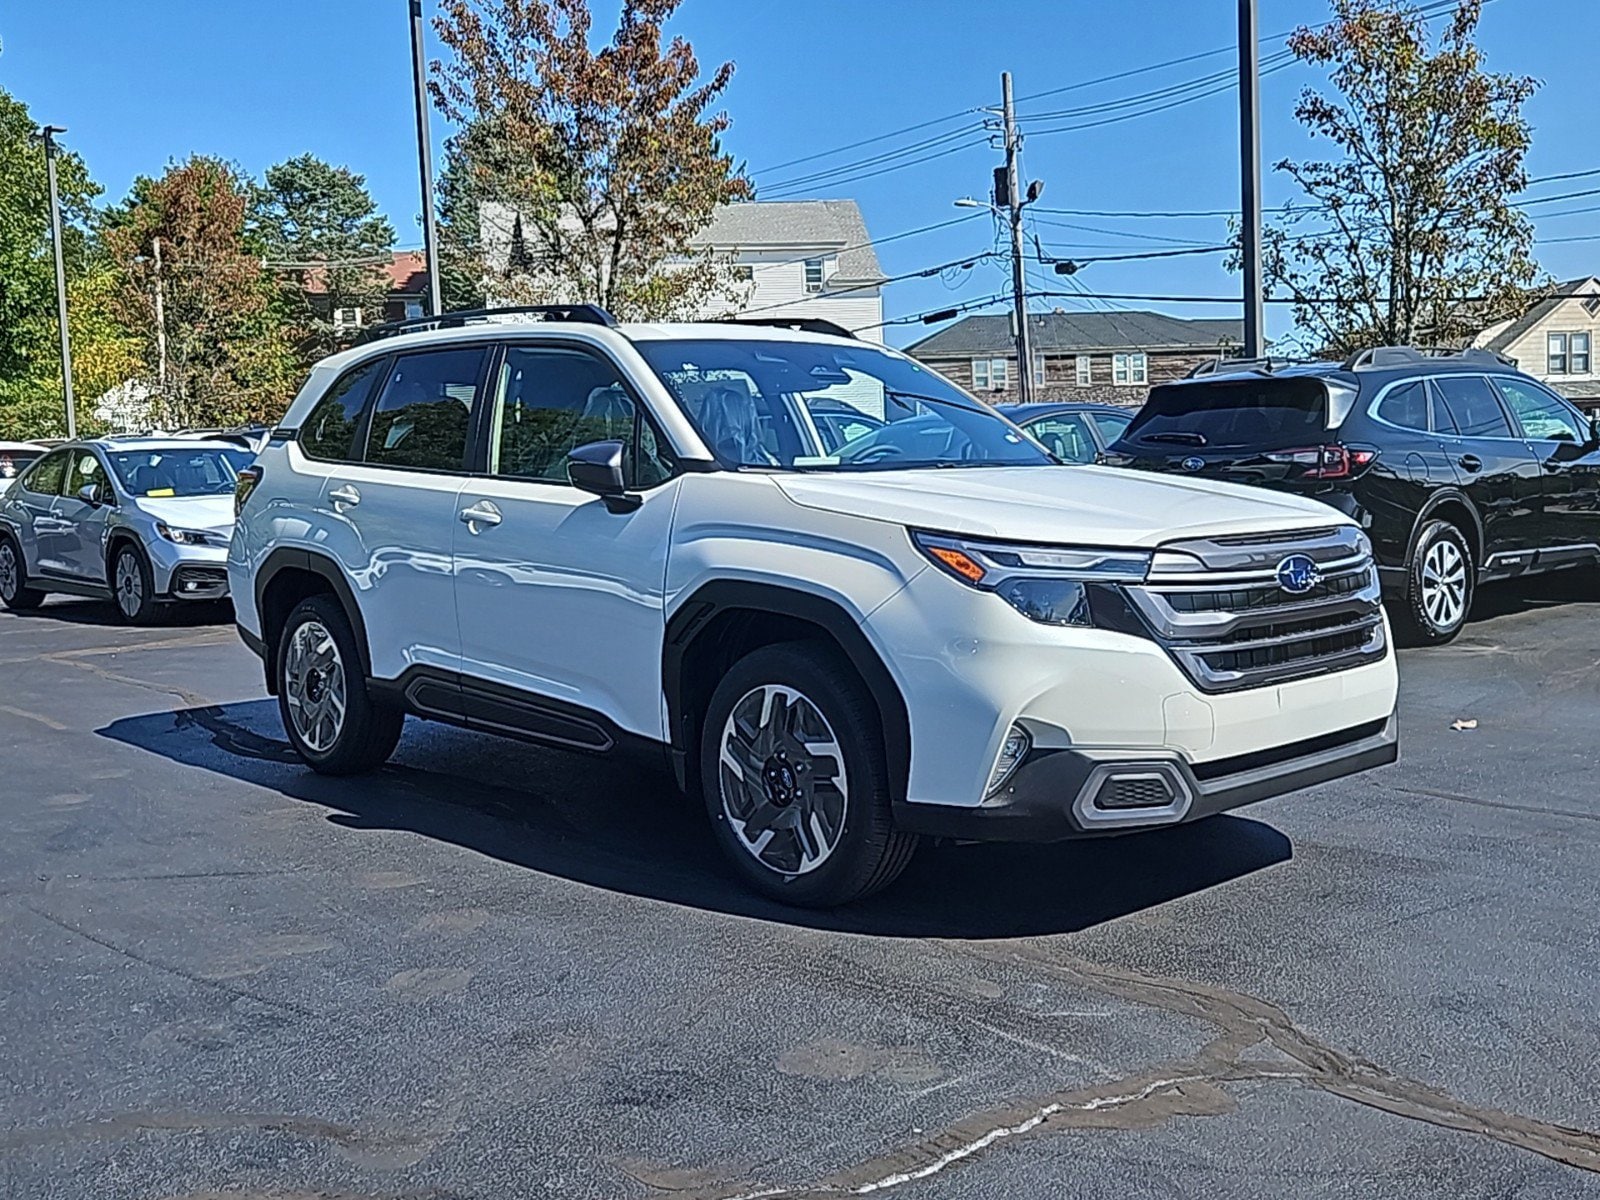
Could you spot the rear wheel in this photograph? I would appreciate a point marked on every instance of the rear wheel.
(795, 778)
(15, 593)
(1440, 585)
(331, 717)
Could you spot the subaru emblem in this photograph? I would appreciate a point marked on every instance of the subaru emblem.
(1298, 574)
(1192, 463)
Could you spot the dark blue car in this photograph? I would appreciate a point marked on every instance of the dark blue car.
(1074, 433)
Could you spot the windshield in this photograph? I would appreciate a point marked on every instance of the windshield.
(814, 406)
(179, 471)
(1267, 414)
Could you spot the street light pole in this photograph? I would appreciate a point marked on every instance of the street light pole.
(61, 276)
(1014, 201)
(430, 231)
(1250, 182)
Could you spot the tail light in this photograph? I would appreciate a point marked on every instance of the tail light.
(249, 477)
(1326, 462)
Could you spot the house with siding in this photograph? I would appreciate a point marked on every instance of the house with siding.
(1554, 341)
(789, 259)
(1105, 357)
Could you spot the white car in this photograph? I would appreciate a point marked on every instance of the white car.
(603, 536)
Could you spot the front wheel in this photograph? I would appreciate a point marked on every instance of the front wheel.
(1441, 581)
(331, 717)
(132, 586)
(795, 778)
(15, 593)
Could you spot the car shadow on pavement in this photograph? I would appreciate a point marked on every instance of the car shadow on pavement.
(69, 610)
(613, 825)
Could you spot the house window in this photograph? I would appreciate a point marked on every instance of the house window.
(1555, 362)
(347, 318)
(813, 274)
(413, 310)
(1085, 370)
(1128, 369)
(989, 374)
(1038, 369)
(1592, 305)
(1578, 347)
(744, 273)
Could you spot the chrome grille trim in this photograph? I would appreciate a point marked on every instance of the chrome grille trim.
(1234, 626)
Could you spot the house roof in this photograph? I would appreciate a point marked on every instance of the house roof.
(1056, 332)
(1528, 320)
(407, 272)
(799, 225)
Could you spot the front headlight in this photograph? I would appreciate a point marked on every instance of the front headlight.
(183, 537)
(1054, 585)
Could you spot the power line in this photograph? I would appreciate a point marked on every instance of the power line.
(927, 144)
(970, 260)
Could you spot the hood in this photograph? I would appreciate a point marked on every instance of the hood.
(1097, 506)
(212, 514)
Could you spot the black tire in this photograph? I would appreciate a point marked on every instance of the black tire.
(866, 852)
(1431, 612)
(132, 584)
(366, 734)
(15, 593)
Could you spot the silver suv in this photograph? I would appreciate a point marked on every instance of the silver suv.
(136, 520)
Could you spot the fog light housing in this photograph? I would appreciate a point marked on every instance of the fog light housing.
(1012, 751)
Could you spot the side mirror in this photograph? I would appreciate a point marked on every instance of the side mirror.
(597, 467)
(91, 495)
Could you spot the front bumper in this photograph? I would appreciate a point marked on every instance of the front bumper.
(188, 572)
(1059, 794)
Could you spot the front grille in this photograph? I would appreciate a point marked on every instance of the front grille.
(1217, 607)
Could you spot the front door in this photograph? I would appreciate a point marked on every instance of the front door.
(1559, 439)
(561, 598)
(1495, 468)
(81, 525)
(390, 513)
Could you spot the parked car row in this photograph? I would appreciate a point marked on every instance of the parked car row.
(847, 603)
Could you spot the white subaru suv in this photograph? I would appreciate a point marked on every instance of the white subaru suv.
(849, 604)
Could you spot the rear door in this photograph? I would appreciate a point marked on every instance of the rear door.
(31, 504)
(1559, 439)
(1066, 435)
(1495, 467)
(391, 512)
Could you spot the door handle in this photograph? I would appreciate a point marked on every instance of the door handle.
(346, 496)
(1470, 462)
(481, 513)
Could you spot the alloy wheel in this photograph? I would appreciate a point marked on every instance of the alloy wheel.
(784, 789)
(314, 685)
(10, 573)
(129, 584)
(1444, 584)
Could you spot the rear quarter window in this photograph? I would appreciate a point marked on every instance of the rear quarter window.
(1406, 405)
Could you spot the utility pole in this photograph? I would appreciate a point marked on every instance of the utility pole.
(1013, 200)
(1255, 342)
(161, 323)
(61, 276)
(430, 232)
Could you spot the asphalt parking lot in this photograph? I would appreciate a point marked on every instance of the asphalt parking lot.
(495, 971)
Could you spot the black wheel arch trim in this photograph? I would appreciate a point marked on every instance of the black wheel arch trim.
(295, 558)
(719, 596)
(1476, 535)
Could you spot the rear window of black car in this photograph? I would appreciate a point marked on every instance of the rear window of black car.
(1261, 413)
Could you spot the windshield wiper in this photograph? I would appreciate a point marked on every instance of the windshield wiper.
(1183, 439)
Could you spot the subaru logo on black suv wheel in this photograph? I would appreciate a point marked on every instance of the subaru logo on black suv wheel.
(1192, 463)
(1298, 574)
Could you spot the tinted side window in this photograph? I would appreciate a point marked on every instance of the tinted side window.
(330, 430)
(1067, 437)
(47, 475)
(424, 412)
(1543, 418)
(551, 399)
(1111, 425)
(1472, 405)
(1406, 406)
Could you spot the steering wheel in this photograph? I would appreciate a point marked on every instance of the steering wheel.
(877, 453)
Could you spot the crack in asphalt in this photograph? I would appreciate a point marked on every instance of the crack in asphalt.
(1187, 1087)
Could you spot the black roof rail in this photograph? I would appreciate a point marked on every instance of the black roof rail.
(1266, 364)
(582, 314)
(1378, 357)
(798, 324)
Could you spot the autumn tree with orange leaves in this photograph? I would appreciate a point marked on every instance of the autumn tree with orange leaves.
(581, 175)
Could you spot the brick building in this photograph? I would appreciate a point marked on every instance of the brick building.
(1106, 357)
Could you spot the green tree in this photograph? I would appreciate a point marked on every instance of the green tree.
(324, 237)
(610, 160)
(226, 356)
(31, 397)
(1409, 234)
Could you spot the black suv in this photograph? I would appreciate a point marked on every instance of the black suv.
(1461, 468)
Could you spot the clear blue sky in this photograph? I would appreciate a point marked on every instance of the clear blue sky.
(139, 84)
